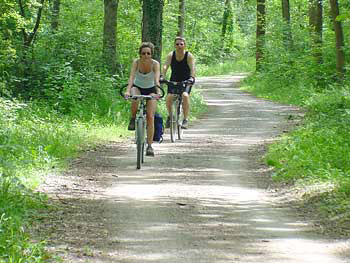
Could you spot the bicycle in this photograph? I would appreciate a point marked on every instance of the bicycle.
(140, 123)
(176, 114)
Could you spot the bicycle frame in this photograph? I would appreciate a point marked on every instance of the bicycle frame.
(176, 118)
(140, 128)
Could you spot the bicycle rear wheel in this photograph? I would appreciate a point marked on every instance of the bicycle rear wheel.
(179, 118)
(173, 121)
(140, 142)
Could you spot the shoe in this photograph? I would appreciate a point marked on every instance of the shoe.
(167, 123)
(131, 126)
(149, 151)
(184, 124)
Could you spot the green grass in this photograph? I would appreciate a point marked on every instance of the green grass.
(37, 140)
(17, 204)
(227, 67)
(317, 153)
(34, 142)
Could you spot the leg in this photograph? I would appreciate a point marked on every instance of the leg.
(186, 104)
(169, 100)
(134, 103)
(134, 106)
(151, 109)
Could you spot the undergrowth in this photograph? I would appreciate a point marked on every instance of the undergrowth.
(39, 138)
(317, 152)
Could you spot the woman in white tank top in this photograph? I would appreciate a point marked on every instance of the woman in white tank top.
(144, 74)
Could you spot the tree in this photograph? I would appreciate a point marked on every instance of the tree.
(110, 35)
(260, 32)
(55, 14)
(226, 16)
(152, 25)
(181, 18)
(287, 31)
(339, 37)
(315, 23)
(28, 37)
(24, 70)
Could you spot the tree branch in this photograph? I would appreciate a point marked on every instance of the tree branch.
(37, 23)
(21, 9)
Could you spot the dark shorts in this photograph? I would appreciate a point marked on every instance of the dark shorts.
(179, 89)
(147, 91)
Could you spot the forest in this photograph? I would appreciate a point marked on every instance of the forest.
(61, 62)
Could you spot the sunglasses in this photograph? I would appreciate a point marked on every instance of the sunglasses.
(180, 44)
(146, 53)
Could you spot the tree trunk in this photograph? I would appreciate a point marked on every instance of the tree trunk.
(181, 18)
(260, 32)
(28, 38)
(110, 35)
(26, 58)
(225, 19)
(55, 14)
(287, 31)
(339, 37)
(316, 22)
(152, 25)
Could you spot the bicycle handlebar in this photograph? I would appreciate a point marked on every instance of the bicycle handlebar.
(135, 97)
(184, 82)
(121, 92)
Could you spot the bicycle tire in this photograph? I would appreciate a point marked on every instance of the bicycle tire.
(173, 121)
(179, 118)
(140, 139)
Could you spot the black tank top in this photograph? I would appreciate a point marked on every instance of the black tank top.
(180, 70)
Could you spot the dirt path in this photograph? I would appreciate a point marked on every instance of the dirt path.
(198, 201)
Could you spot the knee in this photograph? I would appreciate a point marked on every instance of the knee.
(185, 95)
(150, 117)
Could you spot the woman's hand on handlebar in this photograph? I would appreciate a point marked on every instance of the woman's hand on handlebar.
(156, 96)
(127, 94)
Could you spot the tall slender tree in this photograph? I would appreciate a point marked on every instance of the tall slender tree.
(28, 37)
(339, 38)
(56, 4)
(287, 30)
(152, 25)
(260, 32)
(24, 70)
(315, 23)
(181, 18)
(110, 35)
(226, 17)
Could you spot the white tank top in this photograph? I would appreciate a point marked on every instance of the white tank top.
(144, 81)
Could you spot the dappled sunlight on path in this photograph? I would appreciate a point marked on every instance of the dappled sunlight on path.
(197, 201)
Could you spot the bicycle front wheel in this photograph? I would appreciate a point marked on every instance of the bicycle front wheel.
(140, 142)
(173, 122)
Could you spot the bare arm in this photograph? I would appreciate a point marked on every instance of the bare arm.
(132, 77)
(156, 69)
(166, 64)
(191, 64)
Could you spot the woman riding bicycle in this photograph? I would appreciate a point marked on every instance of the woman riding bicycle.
(144, 75)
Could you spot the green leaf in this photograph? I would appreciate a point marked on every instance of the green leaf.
(343, 17)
